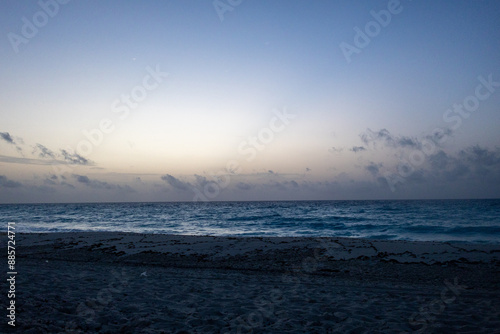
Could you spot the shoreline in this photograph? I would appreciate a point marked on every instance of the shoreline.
(123, 244)
(90, 282)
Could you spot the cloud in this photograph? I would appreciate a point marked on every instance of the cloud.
(407, 142)
(176, 183)
(96, 184)
(44, 189)
(271, 172)
(27, 161)
(5, 182)
(53, 180)
(279, 186)
(373, 168)
(439, 135)
(284, 185)
(357, 149)
(470, 172)
(472, 162)
(480, 156)
(200, 180)
(69, 185)
(47, 157)
(439, 160)
(335, 150)
(75, 158)
(244, 186)
(418, 176)
(43, 152)
(82, 178)
(7, 137)
(50, 182)
(372, 137)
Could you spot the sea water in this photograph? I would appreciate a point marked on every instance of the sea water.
(425, 220)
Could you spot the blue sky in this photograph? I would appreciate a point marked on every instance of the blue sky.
(248, 100)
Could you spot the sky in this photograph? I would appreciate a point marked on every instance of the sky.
(184, 100)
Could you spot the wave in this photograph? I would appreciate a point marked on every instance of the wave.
(474, 230)
(253, 218)
(408, 220)
(325, 219)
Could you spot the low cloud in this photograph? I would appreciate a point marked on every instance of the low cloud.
(373, 169)
(43, 152)
(27, 161)
(278, 185)
(69, 185)
(50, 182)
(357, 149)
(439, 160)
(200, 180)
(53, 180)
(472, 162)
(5, 182)
(370, 137)
(466, 173)
(284, 185)
(96, 184)
(176, 183)
(335, 150)
(75, 158)
(7, 137)
(82, 178)
(439, 135)
(481, 156)
(244, 186)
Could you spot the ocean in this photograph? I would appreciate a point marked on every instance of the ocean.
(420, 220)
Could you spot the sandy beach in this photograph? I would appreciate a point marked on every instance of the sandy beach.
(103, 282)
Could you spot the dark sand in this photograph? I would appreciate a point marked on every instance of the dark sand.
(131, 283)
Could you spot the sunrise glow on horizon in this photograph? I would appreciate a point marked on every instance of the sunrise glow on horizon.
(249, 100)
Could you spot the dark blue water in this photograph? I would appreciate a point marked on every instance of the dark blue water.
(439, 220)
